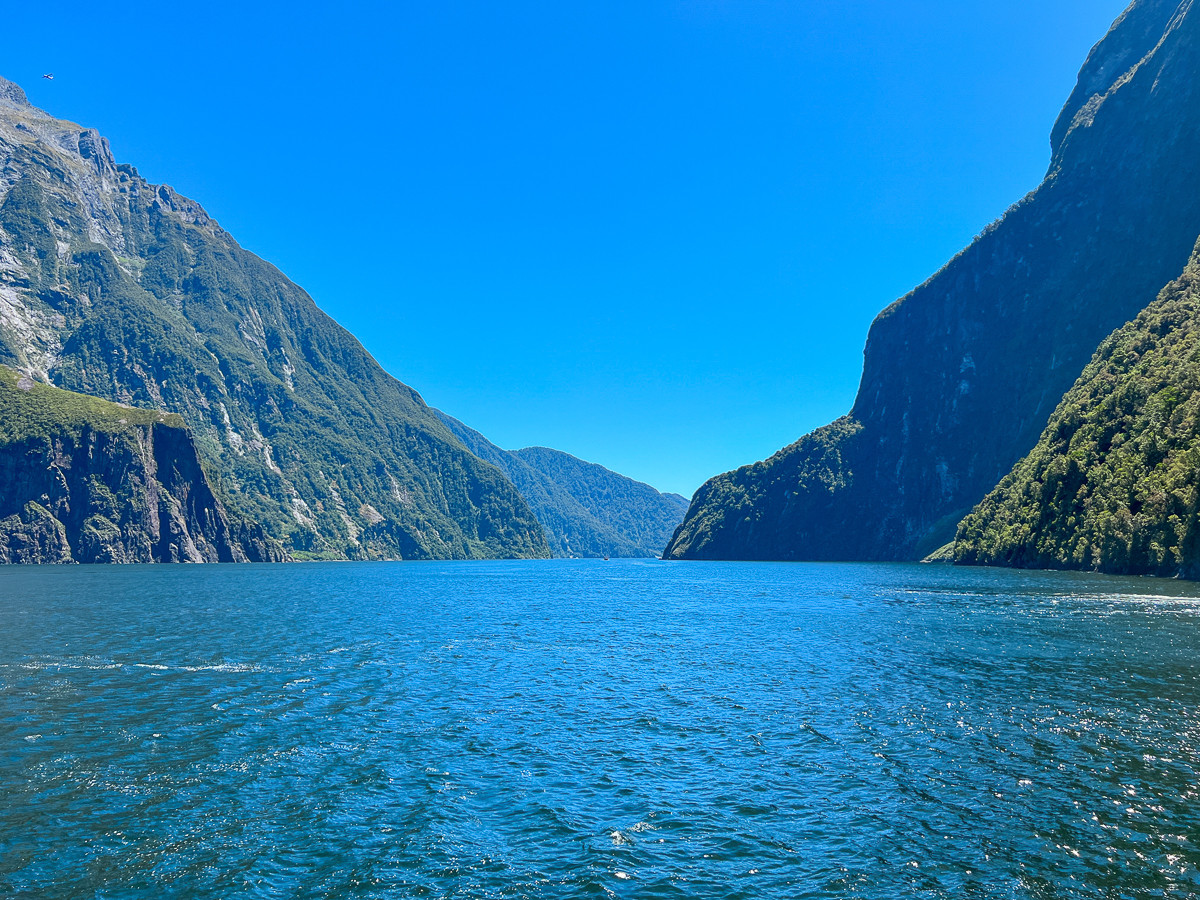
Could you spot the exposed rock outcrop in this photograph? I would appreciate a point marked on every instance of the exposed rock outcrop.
(86, 481)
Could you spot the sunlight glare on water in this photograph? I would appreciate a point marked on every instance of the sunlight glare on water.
(617, 729)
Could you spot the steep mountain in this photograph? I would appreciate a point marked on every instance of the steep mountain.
(1114, 482)
(125, 290)
(585, 510)
(961, 375)
(83, 480)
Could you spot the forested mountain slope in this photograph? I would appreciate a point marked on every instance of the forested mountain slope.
(635, 510)
(585, 509)
(961, 375)
(125, 290)
(1114, 482)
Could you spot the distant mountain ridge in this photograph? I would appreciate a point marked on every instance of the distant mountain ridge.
(634, 510)
(961, 375)
(585, 509)
(117, 288)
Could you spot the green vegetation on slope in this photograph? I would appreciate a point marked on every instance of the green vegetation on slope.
(30, 410)
(85, 480)
(128, 291)
(634, 510)
(584, 509)
(1114, 482)
(771, 508)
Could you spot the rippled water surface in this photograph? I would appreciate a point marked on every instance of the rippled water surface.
(596, 729)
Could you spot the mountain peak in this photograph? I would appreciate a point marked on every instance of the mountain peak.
(12, 94)
(1132, 41)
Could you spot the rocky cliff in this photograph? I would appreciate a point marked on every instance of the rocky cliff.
(125, 290)
(961, 375)
(1113, 483)
(585, 509)
(83, 480)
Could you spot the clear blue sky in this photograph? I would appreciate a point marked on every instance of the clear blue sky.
(652, 234)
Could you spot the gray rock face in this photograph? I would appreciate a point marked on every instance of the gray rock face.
(961, 375)
(138, 495)
(12, 94)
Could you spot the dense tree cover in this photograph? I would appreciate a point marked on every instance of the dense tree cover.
(961, 375)
(769, 509)
(635, 511)
(585, 510)
(127, 291)
(1112, 484)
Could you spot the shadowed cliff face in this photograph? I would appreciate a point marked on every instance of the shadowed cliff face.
(86, 481)
(99, 498)
(1113, 483)
(118, 288)
(961, 375)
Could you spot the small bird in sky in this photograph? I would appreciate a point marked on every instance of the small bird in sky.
(49, 76)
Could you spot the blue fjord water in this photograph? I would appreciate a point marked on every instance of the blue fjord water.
(596, 729)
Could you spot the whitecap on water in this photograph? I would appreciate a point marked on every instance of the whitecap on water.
(41, 666)
(222, 667)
